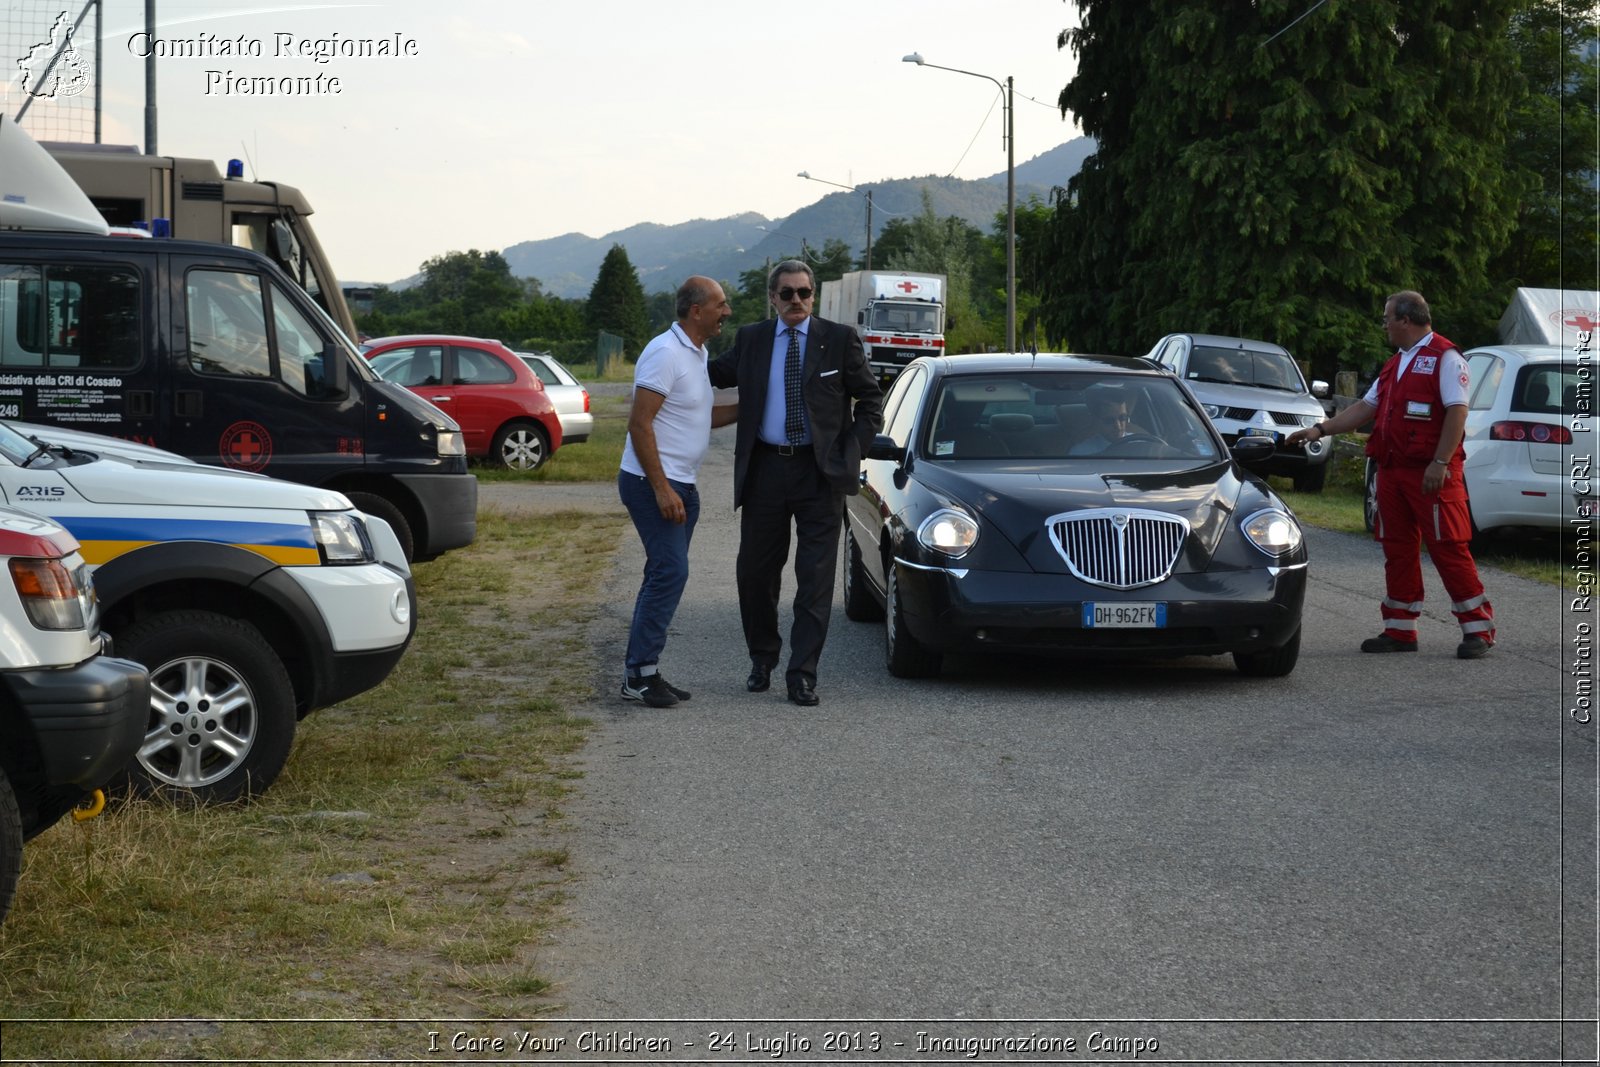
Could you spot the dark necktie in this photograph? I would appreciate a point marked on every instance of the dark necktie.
(793, 421)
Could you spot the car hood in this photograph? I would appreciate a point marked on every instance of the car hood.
(1255, 397)
(113, 480)
(1017, 501)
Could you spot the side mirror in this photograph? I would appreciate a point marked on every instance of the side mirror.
(861, 318)
(334, 366)
(1253, 449)
(1320, 390)
(883, 447)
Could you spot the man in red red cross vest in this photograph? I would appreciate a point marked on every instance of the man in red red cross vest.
(1419, 410)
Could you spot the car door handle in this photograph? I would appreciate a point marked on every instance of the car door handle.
(436, 399)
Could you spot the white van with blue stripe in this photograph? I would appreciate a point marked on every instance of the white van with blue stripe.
(252, 601)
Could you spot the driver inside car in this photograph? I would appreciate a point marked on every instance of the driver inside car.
(1108, 409)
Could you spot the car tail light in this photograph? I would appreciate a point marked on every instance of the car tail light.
(586, 401)
(49, 592)
(1539, 433)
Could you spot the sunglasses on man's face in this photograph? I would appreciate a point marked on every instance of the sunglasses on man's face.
(789, 293)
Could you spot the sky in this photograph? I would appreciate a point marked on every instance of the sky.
(503, 123)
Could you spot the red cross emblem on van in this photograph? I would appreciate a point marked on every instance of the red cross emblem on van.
(246, 446)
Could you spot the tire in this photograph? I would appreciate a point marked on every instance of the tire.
(1273, 663)
(860, 605)
(1312, 479)
(906, 656)
(192, 749)
(520, 446)
(1369, 503)
(385, 509)
(10, 844)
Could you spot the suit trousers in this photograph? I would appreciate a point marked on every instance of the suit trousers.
(781, 490)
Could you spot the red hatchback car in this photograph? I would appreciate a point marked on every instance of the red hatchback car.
(500, 404)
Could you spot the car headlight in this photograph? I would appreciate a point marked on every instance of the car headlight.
(948, 531)
(1213, 411)
(1272, 531)
(341, 536)
(451, 443)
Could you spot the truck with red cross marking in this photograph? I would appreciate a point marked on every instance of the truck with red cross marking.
(899, 315)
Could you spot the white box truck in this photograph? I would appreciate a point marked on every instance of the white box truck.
(898, 314)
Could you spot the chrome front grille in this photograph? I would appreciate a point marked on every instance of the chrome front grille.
(1119, 548)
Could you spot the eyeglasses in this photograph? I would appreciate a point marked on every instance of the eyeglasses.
(787, 293)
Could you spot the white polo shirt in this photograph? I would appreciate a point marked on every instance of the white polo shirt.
(675, 367)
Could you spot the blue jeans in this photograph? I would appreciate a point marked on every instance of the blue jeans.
(666, 565)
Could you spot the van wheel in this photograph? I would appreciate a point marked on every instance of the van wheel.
(906, 656)
(383, 508)
(520, 446)
(859, 603)
(222, 711)
(10, 844)
(1273, 663)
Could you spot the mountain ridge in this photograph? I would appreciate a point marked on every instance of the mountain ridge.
(663, 254)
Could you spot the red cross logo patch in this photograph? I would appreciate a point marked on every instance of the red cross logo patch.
(246, 446)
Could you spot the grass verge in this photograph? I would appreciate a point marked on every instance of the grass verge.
(407, 862)
(595, 460)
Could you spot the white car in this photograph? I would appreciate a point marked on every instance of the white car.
(570, 398)
(1517, 411)
(1252, 388)
(252, 601)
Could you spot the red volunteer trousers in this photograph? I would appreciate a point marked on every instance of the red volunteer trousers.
(1408, 518)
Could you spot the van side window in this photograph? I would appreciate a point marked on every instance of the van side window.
(227, 324)
(300, 361)
(69, 316)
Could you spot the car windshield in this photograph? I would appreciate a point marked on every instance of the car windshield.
(1244, 366)
(1064, 416)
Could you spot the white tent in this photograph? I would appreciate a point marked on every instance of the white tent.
(35, 193)
(1550, 317)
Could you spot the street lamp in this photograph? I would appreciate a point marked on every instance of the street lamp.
(866, 259)
(1011, 193)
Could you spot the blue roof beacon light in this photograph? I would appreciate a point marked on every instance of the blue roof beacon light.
(235, 169)
(161, 227)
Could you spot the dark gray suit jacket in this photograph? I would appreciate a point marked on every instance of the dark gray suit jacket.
(843, 401)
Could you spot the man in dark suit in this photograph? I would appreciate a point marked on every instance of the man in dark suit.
(808, 409)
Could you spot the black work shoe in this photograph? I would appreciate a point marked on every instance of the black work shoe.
(803, 693)
(1474, 647)
(651, 689)
(1385, 643)
(760, 677)
(681, 694)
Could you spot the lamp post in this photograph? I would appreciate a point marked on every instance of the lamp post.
(1011, 192)
(866, 258)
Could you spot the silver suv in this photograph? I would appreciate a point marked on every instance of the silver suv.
(1253, 389)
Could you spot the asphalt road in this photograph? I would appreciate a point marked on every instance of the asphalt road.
(1377, 857)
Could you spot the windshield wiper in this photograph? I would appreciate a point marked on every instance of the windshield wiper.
(37, 452)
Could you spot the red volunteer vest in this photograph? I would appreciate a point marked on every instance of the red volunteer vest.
(1410, 416)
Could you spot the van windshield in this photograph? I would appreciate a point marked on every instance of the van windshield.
(14, 446)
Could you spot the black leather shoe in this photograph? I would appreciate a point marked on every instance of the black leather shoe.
(803, 693)
(760, 677)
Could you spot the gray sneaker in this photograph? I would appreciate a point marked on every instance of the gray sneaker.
(652, 689)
